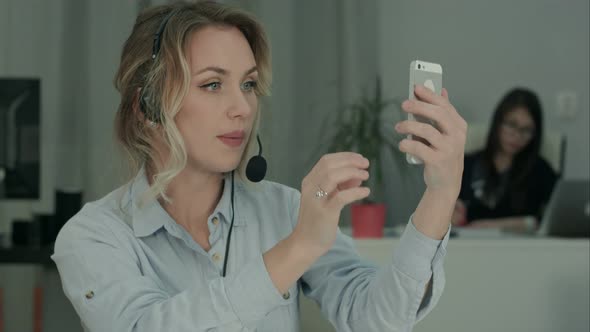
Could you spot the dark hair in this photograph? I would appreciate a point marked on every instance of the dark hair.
(525, 160)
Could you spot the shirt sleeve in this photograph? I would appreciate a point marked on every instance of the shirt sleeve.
(355, 295)
(103, 279)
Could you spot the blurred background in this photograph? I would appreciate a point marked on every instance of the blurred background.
(58, 59)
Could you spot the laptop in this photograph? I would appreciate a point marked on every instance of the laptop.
(568, 211)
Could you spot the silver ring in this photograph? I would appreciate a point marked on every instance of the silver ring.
(320, 193)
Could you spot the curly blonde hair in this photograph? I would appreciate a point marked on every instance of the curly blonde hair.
(165, 81)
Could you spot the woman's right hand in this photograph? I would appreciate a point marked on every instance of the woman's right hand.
(340, 175)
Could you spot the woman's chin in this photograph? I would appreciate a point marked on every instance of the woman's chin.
(214, 166)
(511, 150)
(227, 166)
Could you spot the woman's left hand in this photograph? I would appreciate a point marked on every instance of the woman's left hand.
(443, 150)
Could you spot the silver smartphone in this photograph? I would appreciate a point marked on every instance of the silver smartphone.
(429, 75)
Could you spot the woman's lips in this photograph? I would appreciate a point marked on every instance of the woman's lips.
(514, 146)
(232, 139)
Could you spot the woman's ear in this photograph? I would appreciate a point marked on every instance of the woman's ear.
(138, 112)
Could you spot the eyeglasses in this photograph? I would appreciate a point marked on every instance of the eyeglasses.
(525, 133)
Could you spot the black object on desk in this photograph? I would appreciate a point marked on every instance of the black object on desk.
(28, 245)
(67, 204)
(46, 229)
(27, 255)
(21, 233)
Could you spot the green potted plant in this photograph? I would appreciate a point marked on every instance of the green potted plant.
(358, 128)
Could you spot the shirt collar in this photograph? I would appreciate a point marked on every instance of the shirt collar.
(223, 208)
(150, 216)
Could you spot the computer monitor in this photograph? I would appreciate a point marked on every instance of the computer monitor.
(568, 211)
(20, 138)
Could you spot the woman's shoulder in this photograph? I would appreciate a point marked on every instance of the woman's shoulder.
(103, 220)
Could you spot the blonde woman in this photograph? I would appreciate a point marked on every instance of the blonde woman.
(191, 245)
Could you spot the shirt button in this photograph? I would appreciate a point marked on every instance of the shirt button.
(215, 221)
(89, 295)
(216, 257)
(287, 295)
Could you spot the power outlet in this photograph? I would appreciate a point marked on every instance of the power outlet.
(566, 104)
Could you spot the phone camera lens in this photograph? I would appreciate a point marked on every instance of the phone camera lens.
(419, 66)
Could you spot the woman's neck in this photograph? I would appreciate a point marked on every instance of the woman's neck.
(502, 161)
(194, 196)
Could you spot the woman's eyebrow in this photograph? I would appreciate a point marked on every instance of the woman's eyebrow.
(222, 71)
(218, 70)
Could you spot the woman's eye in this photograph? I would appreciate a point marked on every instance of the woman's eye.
(212, 86)
(249, 86)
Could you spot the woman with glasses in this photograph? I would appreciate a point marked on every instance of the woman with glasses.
(506, 184)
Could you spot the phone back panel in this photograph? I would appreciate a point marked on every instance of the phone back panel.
(430, 79)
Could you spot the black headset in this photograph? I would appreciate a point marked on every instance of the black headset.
(256, 168)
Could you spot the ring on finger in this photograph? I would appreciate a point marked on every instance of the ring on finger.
(321, 193)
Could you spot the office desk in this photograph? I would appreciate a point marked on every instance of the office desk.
(498, 284)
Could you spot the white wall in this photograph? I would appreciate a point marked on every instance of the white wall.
(277, 111)
(322, 59)
(109, 25)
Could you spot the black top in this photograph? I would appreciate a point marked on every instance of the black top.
(539, 185)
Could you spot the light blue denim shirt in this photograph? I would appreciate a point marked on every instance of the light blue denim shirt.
(131, 268)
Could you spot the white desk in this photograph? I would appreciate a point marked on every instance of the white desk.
(498, 284)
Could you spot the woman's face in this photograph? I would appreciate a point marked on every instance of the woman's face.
(218, 113)
(516, 131)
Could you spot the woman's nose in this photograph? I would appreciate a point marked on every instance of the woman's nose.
(240, 104)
